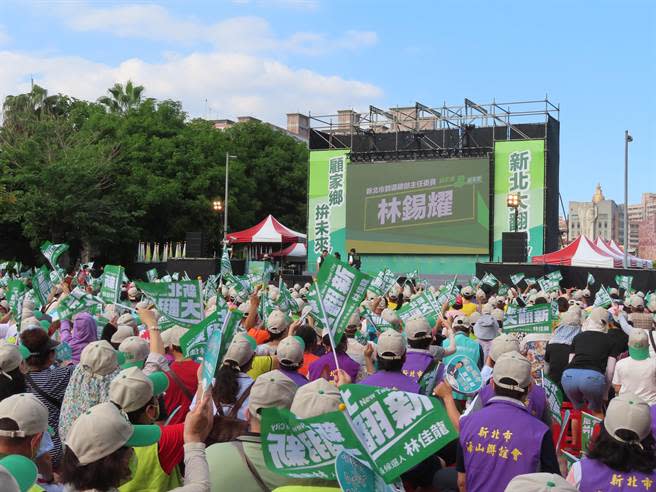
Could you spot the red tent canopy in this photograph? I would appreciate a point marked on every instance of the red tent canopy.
(581, 252)
(267, 231)
(296, 250)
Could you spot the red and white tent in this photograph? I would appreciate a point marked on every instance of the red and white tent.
(296, 250)
(610, 251)
(640, 262)
(267, 231)
(582, 252)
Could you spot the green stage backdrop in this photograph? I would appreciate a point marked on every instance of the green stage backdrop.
(418, 207)
(519, 167)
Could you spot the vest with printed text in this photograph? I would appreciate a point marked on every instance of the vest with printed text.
(499, 442)
(416, 363)
(597, 476)
(392, 380)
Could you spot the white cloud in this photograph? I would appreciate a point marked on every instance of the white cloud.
(234, 84)
(246, 34)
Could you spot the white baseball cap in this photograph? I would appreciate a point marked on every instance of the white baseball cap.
(391, 345)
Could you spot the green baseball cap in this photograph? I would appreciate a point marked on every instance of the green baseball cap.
(17, 473)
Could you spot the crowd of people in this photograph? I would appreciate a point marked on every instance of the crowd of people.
(125, 410)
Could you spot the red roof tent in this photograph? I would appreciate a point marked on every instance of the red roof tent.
(267, 231)
(581, 252)
(296, 250)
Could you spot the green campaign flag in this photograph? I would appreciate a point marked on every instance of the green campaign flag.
(226, 266)
(52, 252)
(266, 306)
(378, 321)
(210, 360)
(110, 291)
(175, 276)
(16, 291)
(286, 302)
(529, 319)
(602, 298)
(529, 280)
(341, 289)
(503, 289)
(42, 284)
(179, 302)
(382, 282)
(414, 275)
(422, 305)
(447, 293)
(76, 302)
(591, 279)
(554, 398)
(555, 275)
(624, 282)
(474, 282)
(588, 424)
(354, 475)
(489, 279)
(517, 278)
(242, 286)
(398, 430)
(151, 275)
(548, 284)
(194, 342)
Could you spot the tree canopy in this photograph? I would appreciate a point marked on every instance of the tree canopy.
(104, 175)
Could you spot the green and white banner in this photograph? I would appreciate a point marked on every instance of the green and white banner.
(226, 266)
(422, 305)
(548, 284)
(52, 252)
(490, 279)
(110, 291)
(602, 298)
(382, 282)
(286, 302)
(78, 301)
(16, 290)
(624, 282)
(179, 302)
(529, 319)
(341, 289)
(42, 284)
(517, 278)
(591, 279)
(554, 398)
(519, 167)
(447, 293)
(194, 342)
(151, 275)
(242, 286)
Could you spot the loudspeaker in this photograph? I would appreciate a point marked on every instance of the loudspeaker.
(197, 245)
(514, 247)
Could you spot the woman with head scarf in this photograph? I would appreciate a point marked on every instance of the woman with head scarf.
(89, 383)
(83, 333)
(556, 355)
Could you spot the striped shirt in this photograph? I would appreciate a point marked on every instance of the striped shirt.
(52, 381)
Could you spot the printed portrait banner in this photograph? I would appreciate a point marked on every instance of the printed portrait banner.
(529, 319)
(354, 475)
(179, 302)
(110, 291)
(463, 376)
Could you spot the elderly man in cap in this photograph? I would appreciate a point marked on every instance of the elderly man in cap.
(391, 352)
(503, 439)
(23, 423)
(239, 465)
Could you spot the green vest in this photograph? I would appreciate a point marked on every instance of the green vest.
(149, 476)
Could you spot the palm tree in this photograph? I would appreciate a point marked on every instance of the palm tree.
(122, 99)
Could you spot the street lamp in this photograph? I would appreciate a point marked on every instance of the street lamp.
(513, 201)
(627, 138)
(217, 206)
(225, 201)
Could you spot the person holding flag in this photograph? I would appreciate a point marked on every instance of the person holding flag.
(391, 352)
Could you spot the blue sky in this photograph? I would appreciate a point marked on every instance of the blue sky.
(269, 57)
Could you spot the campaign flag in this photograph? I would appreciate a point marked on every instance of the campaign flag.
(624, 282)
(548, 284)
(554, 398)
(378, 321)
(489, 279)
(175, 276)
(529, 280)
(76, 302)
(151, 275)
(382, 282)
(555, 275)
(52, 252)
(447, 293)
(591, 279)
(422, 305)
(353, 475)
(179, 302)
(517, 278)
(529, 319)
(194, 342)
(242, 286)
(16, 291)
(341, 289)
(42, 284)
(110, 291)
(414, 275)
(503, 290)
(210, 360)
(589, 428)
(226, 266)
(266, 306)
(602, 298)
(285, 301)
(398, 430)
(474, 282)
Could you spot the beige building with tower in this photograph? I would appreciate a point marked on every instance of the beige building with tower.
(597, 218)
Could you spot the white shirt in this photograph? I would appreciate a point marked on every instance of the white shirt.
(637, 377)
(244, 381)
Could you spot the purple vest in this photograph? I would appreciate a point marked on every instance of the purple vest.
(416, 363)
(327, 360)
(653, 420)
(299, 379)
(535, 402)
(597, 476)
(499, 442)
(392, 380)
